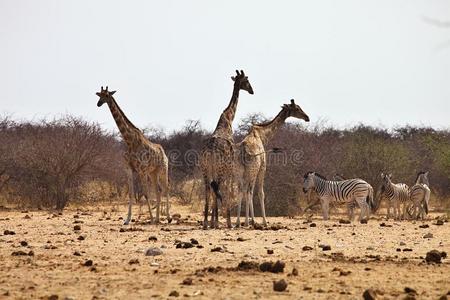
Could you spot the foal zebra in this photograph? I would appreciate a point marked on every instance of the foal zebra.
(346, 191)
(419, 194)
(397, 193)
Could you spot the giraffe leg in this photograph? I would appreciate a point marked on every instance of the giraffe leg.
(252, 208)
(157, 188)
(240, 195)
(130, 195)
(164, 183)
(207, 195)
(146, 187)
(260, 190)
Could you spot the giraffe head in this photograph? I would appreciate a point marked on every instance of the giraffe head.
(105, 96)
(242, 82)
(294, 110)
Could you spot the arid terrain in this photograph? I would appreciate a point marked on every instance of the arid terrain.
(89, 254)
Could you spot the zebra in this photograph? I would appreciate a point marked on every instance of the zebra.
(316, 201)
(419, 195)
(347, 191)
(397, 194)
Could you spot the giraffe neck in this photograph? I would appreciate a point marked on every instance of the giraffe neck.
(126, 128)
(267, 130)
(224, 126)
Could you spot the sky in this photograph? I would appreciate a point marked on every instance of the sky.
(375, 62)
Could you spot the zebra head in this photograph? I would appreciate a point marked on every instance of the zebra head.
(422, 177)
(308, 182)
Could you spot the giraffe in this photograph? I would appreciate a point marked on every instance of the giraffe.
(251, 159)
(145, 158)
(217, 155)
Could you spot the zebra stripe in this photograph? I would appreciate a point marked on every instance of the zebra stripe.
(346, 191)
(419, 195)
(397, 194)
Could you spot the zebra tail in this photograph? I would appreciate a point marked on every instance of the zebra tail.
(370, 200)
(215, 187)
(427, 199)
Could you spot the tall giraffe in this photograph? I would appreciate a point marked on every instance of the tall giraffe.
(251, 159)
(145, 158)
(217, 156)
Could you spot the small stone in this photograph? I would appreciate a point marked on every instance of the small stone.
(153, 252)
(88, 263)
(76, 253)
(439, 222)
(433, 256)
(8, 232)
(294, 272)
(240, 239)
(307, 248)
(325, 247)
(217, 249)
(174, 294)
(81, 238)
(187, 281)
(363, 221)
(429, 235)
(342, 221)
(77, 227)
(369, 294)
(424, 226)
(269, 251)
(194, 242)
(402, 244)
(410, 290)
(53, 297)
(280, 285)
(153, 238)
(133, 261)
(313, 225)
(23, 243)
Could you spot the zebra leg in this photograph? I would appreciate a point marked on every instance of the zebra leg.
(364, 208)
(325, 208)
(351, 211)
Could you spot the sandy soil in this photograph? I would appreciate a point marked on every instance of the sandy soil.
(362, 256)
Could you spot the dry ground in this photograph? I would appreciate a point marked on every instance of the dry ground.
(362, 256)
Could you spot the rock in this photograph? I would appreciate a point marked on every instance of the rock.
(184, 245)
(153, 238)
(410, 290)
(369, 294)
(443, 254)
(307, 248)
(424, 226)
(402, 244)
(8, 232)
(174, 294)
(81, 238)
(294, 272)
(240, 239)
(153, 252)
(407, 250)
(325, 247)
(88, 263)
(258, 226)
(77, 227)
(342, 221)
(269, 251)
(217, 249)
(187, 281)
(176, 216)
(247, 265)
(23, 243)
(76, 253)
(429, 235)
(280, 285)
(53, 297)
(313, 225)
(433, 256)
(194, 242)
(277, 267)
(23, 253)
(439, 222)
(133, 261)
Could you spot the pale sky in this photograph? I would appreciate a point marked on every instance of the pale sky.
(375, 62)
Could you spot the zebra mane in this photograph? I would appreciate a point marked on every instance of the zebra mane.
(418, 175)
(317, 174)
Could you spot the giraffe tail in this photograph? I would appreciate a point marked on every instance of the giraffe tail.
(215, 187)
